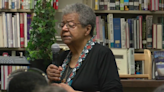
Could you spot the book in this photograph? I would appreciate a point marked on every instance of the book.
(159, 64)
(121, 57)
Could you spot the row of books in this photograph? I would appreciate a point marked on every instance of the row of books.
(137, 33)
(14, 29)
(125, 4)
(22, 4)
(125, 60)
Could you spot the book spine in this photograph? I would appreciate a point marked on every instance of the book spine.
(131, 61)
(127, 34)
(117, 3)
(13, 4)
(25, 29)
(54, 3)
(160, 4)
(145, 4)
(6, 4)
(130, 33)
(144, 35)
(159, 37)
(112, 5)
(18, 29)
(101, 4)
(135, 33)
(121, 4)
(96, 5)
(22, 4)
(154, 36)
(108, 23)
(117, 32)
(4, 28)
(29, 19)
(105, 4)
(123, 35)
(1, 32)
(21, 30)
(131, 5)
(111, 30)
(140, 4)
(7, 32)
(157, 5)
(140, 32)
(57, 4)
(162, 21)
(149, 21)
(136, 4)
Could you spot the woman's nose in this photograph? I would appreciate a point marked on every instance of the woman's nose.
(65, 28)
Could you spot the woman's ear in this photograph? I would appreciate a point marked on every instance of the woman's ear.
(88, 30)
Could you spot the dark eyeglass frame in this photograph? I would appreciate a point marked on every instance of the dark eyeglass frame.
(68, 25)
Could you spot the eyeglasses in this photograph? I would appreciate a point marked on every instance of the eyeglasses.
(69, 25)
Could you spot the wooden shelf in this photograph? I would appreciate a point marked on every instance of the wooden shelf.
(141, 50)
(134, 76)
(16, 10)
(129, 12)
(13, 49)
(125, 12)
(141, 83)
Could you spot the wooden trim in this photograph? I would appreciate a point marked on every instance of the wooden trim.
(129, 12)
(139, 57)
(142, 50)
(134, 76)
(16, 10)
(13, 49)
(142, 83)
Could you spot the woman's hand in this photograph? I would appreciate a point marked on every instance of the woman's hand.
(53, 72)
(65, 86)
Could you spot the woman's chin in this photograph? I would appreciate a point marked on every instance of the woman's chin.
(66, 41)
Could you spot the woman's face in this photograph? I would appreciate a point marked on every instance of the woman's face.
(72, 31)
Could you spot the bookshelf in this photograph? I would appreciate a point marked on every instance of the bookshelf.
(134, 76)
(131, 83)
(129, 12)
(141, 50)
(22, 10)
(17, 10)
(13, 49)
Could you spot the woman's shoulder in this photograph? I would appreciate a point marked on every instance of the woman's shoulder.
(102, 49)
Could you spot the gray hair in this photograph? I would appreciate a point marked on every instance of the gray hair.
(86, 14)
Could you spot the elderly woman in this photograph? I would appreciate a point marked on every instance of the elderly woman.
(87, 66)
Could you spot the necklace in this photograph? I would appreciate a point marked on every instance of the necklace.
(82, 57)
(66, 75)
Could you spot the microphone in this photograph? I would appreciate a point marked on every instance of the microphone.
(55, 56)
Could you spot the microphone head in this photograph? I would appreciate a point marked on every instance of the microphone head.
(55, 47)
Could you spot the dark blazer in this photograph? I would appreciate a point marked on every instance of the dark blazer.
(98, 71)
